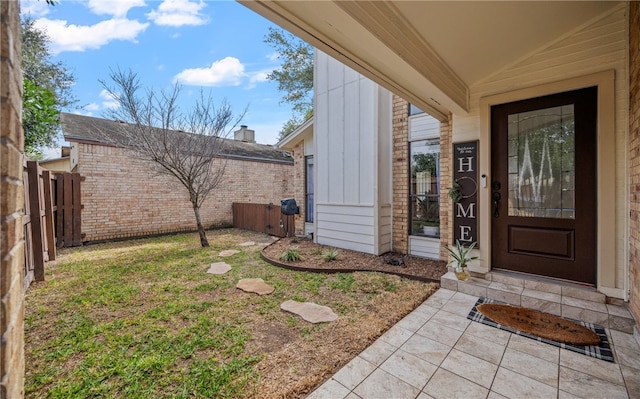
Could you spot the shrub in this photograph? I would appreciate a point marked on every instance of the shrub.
(330, 254)
(291, 255)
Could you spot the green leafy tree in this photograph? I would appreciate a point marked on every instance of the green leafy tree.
(294, 77)
(39, 118)
(47, 89)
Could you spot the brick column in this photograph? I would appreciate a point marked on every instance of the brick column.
(11, 204)
(446, 181)
(400, 175)
(634, 157)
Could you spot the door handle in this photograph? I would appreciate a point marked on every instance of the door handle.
(496, 203)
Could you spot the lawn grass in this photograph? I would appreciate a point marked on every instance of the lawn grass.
(143, 319)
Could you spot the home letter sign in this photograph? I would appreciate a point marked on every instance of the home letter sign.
(465, 173)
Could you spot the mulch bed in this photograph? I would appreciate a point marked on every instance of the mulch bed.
(411, 267)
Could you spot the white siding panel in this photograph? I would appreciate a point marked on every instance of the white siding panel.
(336, 146)
(336, 75)
(366, 139)
(423, 126)
(309, 148)
(321, 139)
(345, 219)
(354, 246)
(347, 209)
(350, 227)
(424, 247)
(320, 72)
(352, 172)
(336, 223)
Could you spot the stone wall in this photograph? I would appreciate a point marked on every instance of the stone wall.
(11, 203)
(634, 157)
(123, 196)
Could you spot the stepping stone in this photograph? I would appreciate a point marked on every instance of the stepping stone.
(311, 312)
(219, 268)
(256, 285)
(228, 252)
(247, 244)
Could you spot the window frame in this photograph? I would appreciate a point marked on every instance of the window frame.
(309, 189)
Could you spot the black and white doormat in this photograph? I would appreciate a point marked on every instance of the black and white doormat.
(601, 351)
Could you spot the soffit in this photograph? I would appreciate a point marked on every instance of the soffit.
(429, 53)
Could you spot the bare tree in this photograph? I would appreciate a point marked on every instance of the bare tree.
(187, 146)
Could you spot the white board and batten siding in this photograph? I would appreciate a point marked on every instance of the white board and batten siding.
(352, 135)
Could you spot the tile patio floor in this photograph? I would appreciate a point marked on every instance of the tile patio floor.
(436, 352)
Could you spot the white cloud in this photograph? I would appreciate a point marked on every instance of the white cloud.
(228, 71)
(34, 8)
(66, 37)
(178, 13)
(117, 8)
(257, 77)
(108, 100)
(91, 107)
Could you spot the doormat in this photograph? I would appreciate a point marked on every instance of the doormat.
(601, 351)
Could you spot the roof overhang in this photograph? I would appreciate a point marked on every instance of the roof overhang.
(430, 52)
(303, 132)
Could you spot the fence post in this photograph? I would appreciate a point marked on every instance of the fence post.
(37, 244)
(48, 214)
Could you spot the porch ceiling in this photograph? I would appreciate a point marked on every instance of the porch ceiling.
(429, 52)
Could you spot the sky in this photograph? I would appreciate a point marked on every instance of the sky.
(215, 46)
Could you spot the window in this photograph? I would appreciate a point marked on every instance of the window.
(425, 188)
(413, 110)
(308, 189)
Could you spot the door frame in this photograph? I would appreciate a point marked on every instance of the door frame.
(606, 168)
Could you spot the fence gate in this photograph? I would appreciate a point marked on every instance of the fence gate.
(265, 218)
(37, 222)
(68, 210)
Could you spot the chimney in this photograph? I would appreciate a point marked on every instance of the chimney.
(245, 135)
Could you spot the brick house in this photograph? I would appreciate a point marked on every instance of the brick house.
(546, 119)
(457, 61)
(124, 196)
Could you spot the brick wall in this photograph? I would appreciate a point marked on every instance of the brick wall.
(400, 167)
(634, 157)
(11, 203)
(124, 197)
(446, 181)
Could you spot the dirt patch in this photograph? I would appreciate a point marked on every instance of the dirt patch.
(312, 260)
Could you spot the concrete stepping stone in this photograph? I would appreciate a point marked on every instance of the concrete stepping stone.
(311, 312)
(256, 285)
(228, 252)
(247, 244)
(219, 268)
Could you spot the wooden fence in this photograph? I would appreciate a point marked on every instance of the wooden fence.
(69, 209)
(265, 218)
(37, 221)
(51, 219)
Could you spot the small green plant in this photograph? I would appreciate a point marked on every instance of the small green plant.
(460, 253)
(291, 255)
(455, 192)
(330, 254)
